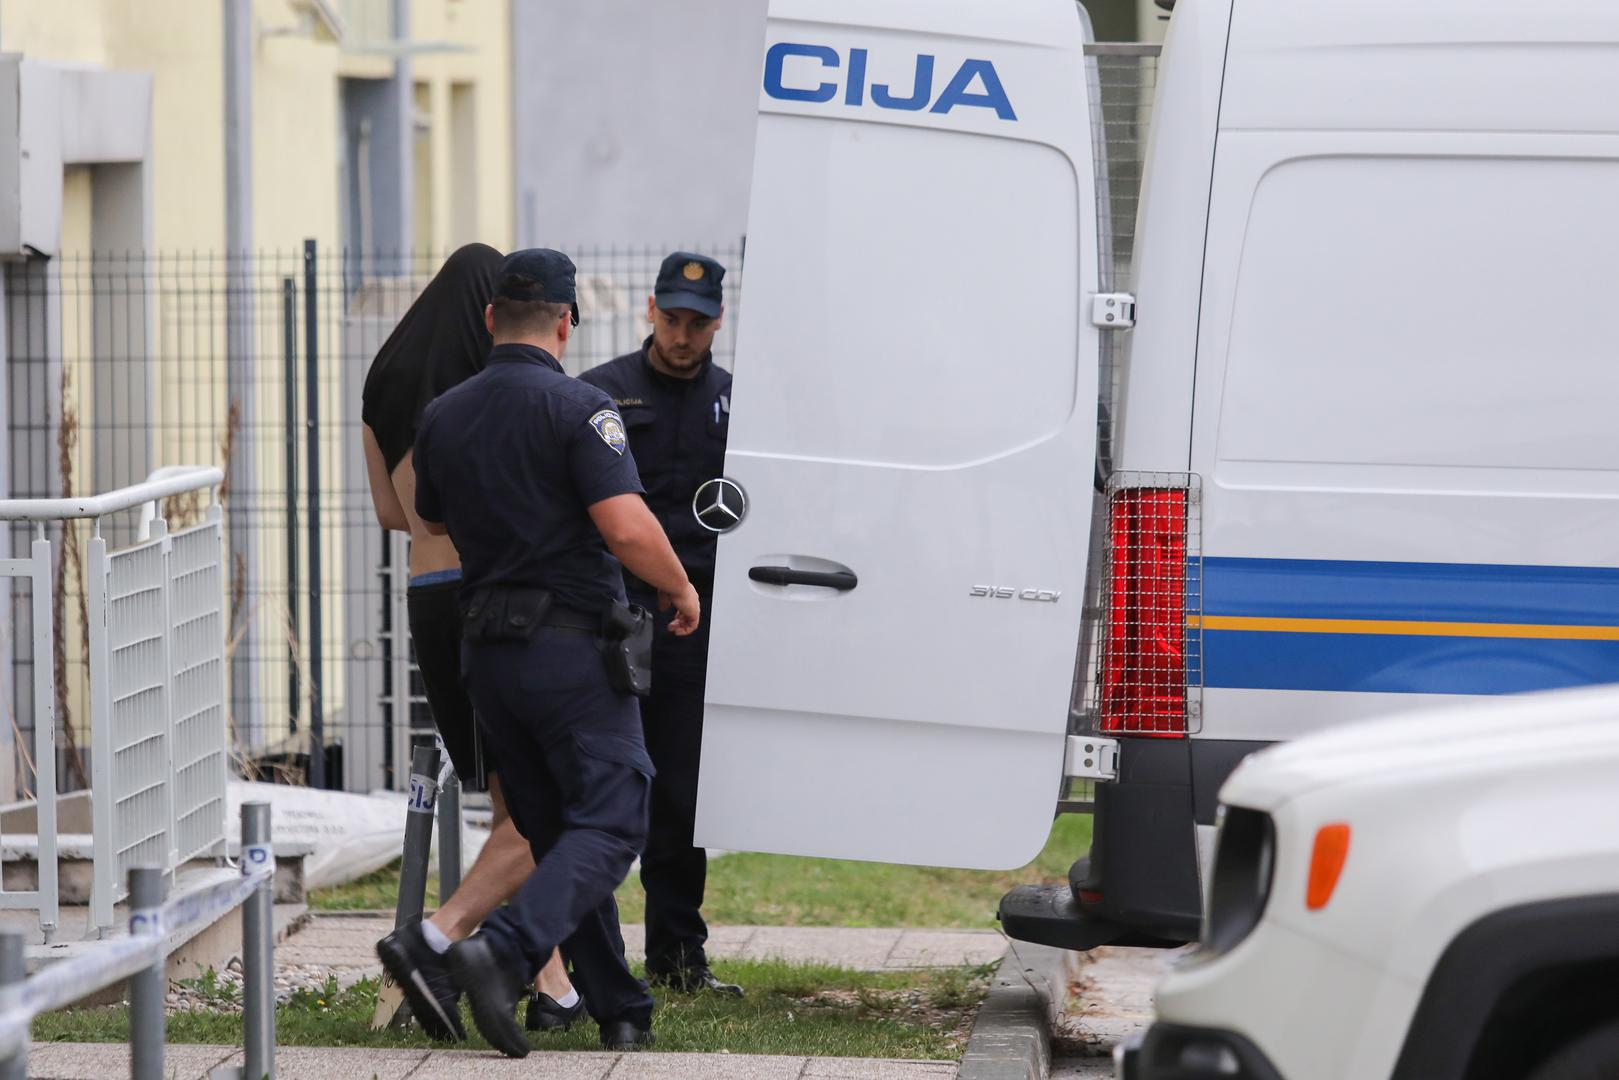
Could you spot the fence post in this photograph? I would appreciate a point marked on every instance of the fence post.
(148, 988)
(418, 835)
(317, 718)
(258, 947)
(45, 735)
(289, 402)
(103, 866)
(449, 836)
(13, 970)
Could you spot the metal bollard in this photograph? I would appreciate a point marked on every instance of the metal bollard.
(258, 947)
(13, 970)
(449, 837)
(148, 988)
(418, 835)
(392, 1009)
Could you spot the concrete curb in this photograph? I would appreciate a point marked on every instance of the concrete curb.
(1011, 1038)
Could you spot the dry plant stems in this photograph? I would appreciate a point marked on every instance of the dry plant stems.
(67, 442)
(22, 748)
(182, 511)
(227, 446)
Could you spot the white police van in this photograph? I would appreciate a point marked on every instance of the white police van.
(1364, 449)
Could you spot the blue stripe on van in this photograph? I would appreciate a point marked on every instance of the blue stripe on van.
(1397, 664)
(1530, 599)
(1429, 592)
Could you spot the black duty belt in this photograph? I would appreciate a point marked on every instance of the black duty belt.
(493, 613)
(568, 621)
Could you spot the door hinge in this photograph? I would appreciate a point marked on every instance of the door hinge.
(1113, 310)
(1091, 758)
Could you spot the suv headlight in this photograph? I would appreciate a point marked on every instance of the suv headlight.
(1244, 863)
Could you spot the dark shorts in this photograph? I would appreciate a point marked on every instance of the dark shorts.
(435, 631)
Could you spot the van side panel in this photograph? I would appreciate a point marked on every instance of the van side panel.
(1403, 409)
(1154, 408)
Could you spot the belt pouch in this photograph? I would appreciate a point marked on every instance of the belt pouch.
(627, 645)
(492, 614)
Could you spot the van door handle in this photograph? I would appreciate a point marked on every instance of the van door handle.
(842, 580)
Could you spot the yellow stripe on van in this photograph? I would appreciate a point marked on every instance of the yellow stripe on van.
(1405, 628)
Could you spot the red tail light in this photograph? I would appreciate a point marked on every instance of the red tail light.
(1144, 666)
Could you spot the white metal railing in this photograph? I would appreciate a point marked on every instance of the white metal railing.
(158, 732)
(157, 926)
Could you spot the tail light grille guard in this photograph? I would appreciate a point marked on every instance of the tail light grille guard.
(1149, 663)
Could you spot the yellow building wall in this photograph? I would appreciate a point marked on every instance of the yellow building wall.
(464, 164)
(297, 111)
(482, 68)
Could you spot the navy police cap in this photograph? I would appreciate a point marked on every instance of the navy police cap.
(539, 274)
(690, 282)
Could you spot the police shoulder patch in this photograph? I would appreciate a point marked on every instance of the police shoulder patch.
(610, 426)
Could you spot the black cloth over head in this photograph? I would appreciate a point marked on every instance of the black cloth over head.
(440, 343)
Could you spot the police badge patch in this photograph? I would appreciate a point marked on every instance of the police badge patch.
(610, 426)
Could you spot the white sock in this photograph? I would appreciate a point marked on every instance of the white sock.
(437, 940)
(570, 999)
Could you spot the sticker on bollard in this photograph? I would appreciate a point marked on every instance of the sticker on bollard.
(423, 794)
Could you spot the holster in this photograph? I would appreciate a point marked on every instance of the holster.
(496, 614)
(627, 647)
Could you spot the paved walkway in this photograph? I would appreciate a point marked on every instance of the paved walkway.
(345, 943)
(79, 1061)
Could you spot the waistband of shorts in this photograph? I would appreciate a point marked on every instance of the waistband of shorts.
(451, 576)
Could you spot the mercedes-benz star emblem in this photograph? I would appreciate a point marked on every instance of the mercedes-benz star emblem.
(720, 505)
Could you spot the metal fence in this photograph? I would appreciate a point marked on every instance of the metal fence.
(119, 362)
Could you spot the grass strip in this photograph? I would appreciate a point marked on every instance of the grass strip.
(749, 889)
(790, 1009)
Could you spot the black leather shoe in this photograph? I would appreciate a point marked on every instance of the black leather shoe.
(544, 1014)
(695, 980)
(626, 1035)
(492, 991)
(425, 979)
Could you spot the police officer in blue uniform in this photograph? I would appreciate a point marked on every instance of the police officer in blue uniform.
(676, 404)
(530, 474)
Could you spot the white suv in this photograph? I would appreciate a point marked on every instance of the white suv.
(1426, 897)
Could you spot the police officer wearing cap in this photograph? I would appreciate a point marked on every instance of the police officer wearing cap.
(530, 474)
(676, 404)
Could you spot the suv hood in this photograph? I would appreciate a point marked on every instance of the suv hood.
(1487, 739)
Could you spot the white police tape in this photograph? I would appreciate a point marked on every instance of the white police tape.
(67, 981)
(146, 922)
(423, 794)
(256, 856)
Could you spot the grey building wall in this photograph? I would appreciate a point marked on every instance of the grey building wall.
(634, 120)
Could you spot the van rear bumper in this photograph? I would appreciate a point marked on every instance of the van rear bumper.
(1139, 885)
(1142, 868)
(1049, 915)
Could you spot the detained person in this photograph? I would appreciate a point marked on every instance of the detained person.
(442, 341)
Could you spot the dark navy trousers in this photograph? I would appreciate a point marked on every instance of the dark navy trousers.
(577, 779)
(673, 871)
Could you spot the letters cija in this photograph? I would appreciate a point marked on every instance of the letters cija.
(810, 78)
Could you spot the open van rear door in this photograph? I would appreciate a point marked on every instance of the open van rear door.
(896, 615)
